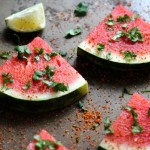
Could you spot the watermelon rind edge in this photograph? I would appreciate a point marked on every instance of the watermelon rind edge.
(106, 144)
(81, 52)
(45, 105)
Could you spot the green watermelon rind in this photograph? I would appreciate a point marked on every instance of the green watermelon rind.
(101, 60)
(106, 144)
(44, 105)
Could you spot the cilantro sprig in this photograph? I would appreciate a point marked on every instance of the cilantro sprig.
(73, 32)
(80, 105)
(124, 18)
(23, 51)
(100, 47)
(7, 78)
(27, 85)
(133, 34)
(136, 128)
(81, 9)
(5, 55)
(128, 56)
(45, 144)
(46, 77)
(107, 126)
(110, 21)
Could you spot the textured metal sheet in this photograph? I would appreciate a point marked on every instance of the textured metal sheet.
(105, 86)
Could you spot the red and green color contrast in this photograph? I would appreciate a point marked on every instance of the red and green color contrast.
(121, 40)
(44, 141)
(131, 129)
(38, 79)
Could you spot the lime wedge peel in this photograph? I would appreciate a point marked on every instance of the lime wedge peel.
(28, 20)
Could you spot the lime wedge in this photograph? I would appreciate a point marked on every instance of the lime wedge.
(28, 20)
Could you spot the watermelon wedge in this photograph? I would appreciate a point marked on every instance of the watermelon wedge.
(131, 129)
(44, 141)
(38, 79)
(119, 41)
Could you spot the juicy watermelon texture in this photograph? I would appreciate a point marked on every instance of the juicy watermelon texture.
(100, 34)
(23, 70)
(45, 136)
(122, 125)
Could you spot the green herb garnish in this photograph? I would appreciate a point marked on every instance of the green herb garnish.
(136, 128)
(39, 53)
(5, 55)
(100, 47)
(110, 21)
(27, 86)
(37, 75)
(63, 53)
(73, 32)
(80, 104)
(124, 18)
(46, 77)
(7, 78)
(125, 91)
(118, 35)
(124, 25)
(108, 56)
(45, 144)
(53, 53)
(23, 51)
(48, 56)
(95, 125)
(107, 125)
(134, 16)
(81, 9)
(149, 112)
(135, 35)
(128, 56)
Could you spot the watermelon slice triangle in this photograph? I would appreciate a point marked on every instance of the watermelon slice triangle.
(38, 79)
(45, 137)
(124, 138)
(120, 41)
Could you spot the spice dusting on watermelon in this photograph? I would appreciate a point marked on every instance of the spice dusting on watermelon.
(136, 113)
(122, 30)
(44, 141)
(22, 70)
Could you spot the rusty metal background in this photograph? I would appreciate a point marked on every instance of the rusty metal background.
(105, 86)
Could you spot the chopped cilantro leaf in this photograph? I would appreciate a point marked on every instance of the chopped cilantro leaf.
(7, 78)
(45, 144)
(5, 55)
(110, 21)
(124, 18)
(100, 47)
(128, 56)
(107, 125)
(118, 35)
(80, 105)
(135, 35)
(81, 9)
(27, 86)
(136, 128)
(23, 51)
(108, 56)
(73, 32)
(63, 53)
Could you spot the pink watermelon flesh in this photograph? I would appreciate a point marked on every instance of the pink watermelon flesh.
(101, 35)
(44, 135)
(122, 125)
(23, 70)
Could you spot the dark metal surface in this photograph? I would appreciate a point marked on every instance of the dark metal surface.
(105, 86)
